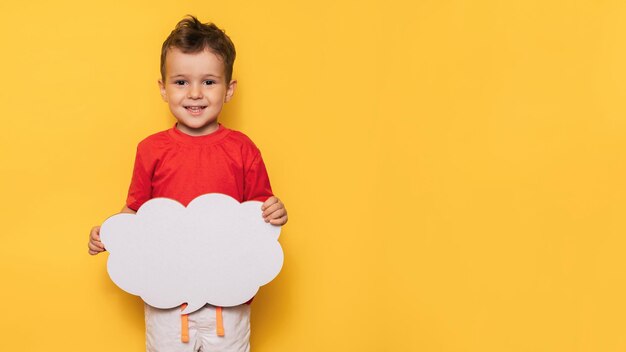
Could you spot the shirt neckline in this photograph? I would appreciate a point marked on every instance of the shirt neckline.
(207, 139)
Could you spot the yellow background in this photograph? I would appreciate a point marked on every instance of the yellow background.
(454, 171)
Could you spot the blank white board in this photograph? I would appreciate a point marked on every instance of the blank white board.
(216, 250)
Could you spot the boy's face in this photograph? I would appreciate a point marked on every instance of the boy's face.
(195, 89)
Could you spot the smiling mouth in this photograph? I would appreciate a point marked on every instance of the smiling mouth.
(195, 108)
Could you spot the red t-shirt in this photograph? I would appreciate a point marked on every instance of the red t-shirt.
(175, 165)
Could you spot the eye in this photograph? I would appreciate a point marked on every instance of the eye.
(209, 82)
(179, 82)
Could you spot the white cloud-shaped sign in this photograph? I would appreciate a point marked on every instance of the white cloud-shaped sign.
(216, 250)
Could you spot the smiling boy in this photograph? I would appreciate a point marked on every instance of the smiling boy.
(198, 156)
(196, 88)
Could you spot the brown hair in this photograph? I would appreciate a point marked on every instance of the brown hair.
(192, 36)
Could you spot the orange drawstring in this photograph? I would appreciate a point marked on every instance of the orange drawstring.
(184, 325)
(220, 321)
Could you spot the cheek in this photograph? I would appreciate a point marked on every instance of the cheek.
(175, 96)
(224, 96)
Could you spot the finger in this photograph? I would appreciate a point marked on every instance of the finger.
(276, 214)
(280, 221)
(270, 201)
(93, 247)
(97, 242)
(99, 245)
(272, 208)
(95, 233)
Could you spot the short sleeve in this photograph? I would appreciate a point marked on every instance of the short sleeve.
(140, 190)
(256, 182)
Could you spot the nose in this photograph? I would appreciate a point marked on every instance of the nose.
(195, 91)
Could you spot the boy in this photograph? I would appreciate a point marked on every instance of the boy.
(198, 156)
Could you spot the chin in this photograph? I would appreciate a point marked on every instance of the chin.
(196, 125)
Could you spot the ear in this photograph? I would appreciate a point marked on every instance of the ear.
(162, 89)
(231, 90)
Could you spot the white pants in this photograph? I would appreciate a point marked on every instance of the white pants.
(163, 330)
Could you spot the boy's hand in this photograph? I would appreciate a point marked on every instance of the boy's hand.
(274, 211)
(95, 246)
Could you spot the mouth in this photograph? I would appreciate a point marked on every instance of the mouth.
(195, 110)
